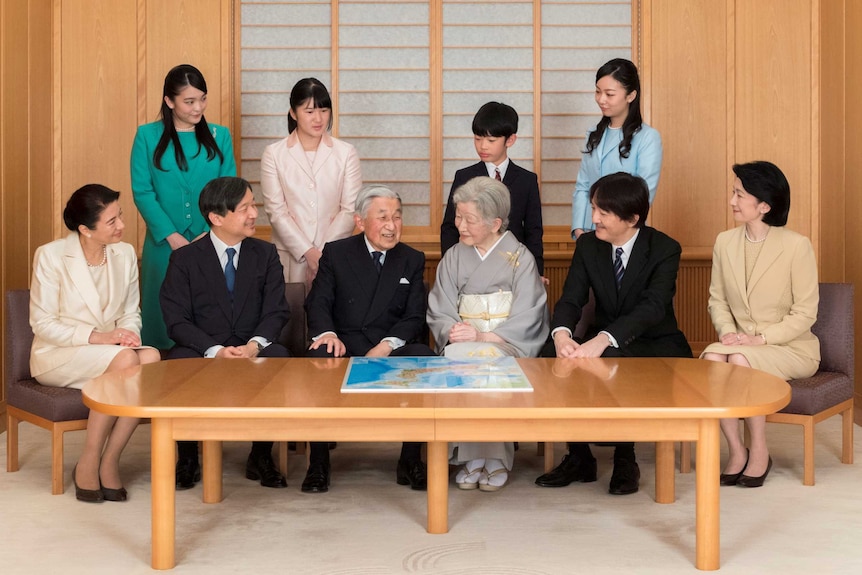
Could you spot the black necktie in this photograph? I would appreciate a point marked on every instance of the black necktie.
(377, 263)
(619, 270)
(230, 270)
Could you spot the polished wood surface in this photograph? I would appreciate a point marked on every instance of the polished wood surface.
(641, 399)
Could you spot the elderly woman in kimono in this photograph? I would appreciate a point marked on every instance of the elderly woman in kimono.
(488, 301)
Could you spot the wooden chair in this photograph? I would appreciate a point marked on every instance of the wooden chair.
(829, 391)
(56, 409)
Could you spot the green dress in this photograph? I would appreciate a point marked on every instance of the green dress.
(168, 202)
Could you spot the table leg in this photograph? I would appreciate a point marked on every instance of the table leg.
(163, 493)
(707, 499)
(438, 487)
(664, 472)
(212, 471)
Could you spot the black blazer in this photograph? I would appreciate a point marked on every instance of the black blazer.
(525, 215)
(197, 307)
(350, 299)
(640, 316)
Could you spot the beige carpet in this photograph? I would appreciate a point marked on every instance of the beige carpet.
(368, 525)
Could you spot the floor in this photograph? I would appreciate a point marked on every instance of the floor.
(368, 525)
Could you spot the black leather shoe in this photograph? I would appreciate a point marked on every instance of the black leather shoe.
(749, 481)
(733, 478)
(625, 478)
(572, 468)
(188, 473)
(316, 478)
(263, 468)
(86, 495)
(109, 494)
(412, 473)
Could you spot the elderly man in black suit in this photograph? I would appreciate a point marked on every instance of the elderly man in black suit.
(223, 296)
(631, 269)
(368, 299)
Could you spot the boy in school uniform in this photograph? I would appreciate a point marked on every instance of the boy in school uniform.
(495, 128)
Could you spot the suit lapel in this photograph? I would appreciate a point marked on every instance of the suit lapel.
(212, 272)
(604, 265)
(249, 260)
(769, 253)
(387, 282)
(637, 262)
(116, 281)
(363, 267)
(735, 256)
(294, 148)
(324, 150)
(76, 266)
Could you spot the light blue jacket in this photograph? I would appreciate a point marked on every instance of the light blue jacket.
(644, 160)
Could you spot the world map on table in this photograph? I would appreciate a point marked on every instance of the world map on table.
(433, 374)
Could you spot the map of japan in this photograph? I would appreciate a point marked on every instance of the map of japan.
(433, 374)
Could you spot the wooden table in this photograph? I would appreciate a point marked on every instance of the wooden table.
(633, 399)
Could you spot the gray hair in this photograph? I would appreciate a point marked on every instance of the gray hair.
(491, 198)
(367, 195)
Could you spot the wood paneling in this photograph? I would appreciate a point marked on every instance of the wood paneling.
(773, 97)
(98, 100)
(688, 81)
(853, 171)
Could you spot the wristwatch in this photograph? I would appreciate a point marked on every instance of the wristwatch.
(259, 346)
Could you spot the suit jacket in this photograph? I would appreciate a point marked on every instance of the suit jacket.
(525, 215)
(786, 261)
(197, 306)
(64, 300)
(640, 316)
(350, 299)
(644, 160)
(309, 205)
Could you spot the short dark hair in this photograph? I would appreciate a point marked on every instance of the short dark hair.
(622, 194)
(87, 204)
(766, 182)
(222, 195)
(496, 120)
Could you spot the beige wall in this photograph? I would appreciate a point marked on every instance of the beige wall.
(724, 81)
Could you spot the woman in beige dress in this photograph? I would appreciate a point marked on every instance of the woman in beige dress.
(86, 320)
(763, 301)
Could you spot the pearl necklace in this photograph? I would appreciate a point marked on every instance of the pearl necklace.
(756, 241)
(104, 258)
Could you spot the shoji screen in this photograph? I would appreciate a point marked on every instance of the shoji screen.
(407, 76)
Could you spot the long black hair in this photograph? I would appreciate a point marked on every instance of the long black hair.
(175, 82)
(626, 73)
(308, 89)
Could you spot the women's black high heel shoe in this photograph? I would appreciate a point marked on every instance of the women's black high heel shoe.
(733, 478)
(115, 494)
(748, 481)
(86, 495)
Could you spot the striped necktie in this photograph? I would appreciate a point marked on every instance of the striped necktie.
(378, 265)
(619, 270)
(230, 270)
(497, 174)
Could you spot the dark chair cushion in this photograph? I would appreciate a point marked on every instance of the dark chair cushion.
(294, 335)
(821, 391)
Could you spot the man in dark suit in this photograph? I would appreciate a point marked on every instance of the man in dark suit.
(368, 299)
(631, 269)
(223, 296)
(495, 128)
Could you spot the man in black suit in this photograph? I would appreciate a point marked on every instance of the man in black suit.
(368, 299)
(495, 128)
(223, 296)
(631, 269)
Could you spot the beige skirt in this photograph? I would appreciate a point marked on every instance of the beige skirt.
(779, 360)
(87, 362)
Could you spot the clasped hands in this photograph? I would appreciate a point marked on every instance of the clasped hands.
(337, 348)
(567, 347)
(742, 339)
(118, 336)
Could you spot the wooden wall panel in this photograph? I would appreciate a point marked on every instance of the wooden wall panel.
(98, 99)
(853, 174)
(773, 96)
(829, 206)
(688, 82)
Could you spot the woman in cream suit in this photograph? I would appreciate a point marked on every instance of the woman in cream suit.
(310, 181)
(763, 301)
(84, 313)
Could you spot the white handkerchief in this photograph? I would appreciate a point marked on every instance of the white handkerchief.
(403, 281)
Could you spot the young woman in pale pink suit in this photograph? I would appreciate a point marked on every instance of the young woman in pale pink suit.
(310, 181)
